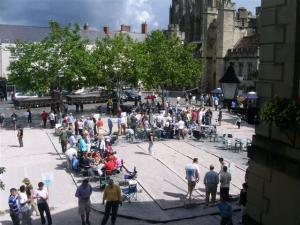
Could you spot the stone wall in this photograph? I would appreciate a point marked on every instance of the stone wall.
(274, 171)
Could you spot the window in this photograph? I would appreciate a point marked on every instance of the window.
(250, 70)
(241, 67)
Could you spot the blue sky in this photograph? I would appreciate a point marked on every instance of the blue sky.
(97, 13)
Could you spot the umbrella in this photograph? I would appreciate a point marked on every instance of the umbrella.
(150, 97)
(252, 95)
(216, 91)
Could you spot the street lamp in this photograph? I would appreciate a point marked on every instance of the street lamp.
(229, 83)
(60, 76)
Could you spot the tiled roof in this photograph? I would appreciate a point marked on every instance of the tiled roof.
(13, 33)
(247, 42)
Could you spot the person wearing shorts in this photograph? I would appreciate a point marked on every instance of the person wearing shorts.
(192, 176)
(83, 193)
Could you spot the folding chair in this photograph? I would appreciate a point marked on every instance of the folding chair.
(130, 192)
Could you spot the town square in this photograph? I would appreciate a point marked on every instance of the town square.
(170, 112)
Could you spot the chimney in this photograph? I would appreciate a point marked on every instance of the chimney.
(106, 29)
(144, 28)
(85, 26)
(125, 28)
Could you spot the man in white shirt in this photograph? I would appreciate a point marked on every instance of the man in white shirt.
(70, 153)
(225, 178)
(24, 207)
(180, 129)
(192, 176)
(42, 198)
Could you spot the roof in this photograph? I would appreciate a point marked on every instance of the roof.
(247, 42)
(13, 33)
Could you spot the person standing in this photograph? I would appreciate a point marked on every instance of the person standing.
(151, 143)
(29, 117)
(238, 121)
(52, 119)
(220, 117)
(110, 124)
(14, 208)
(192, 176)
(211, 180)
(99, 125)
(243, 202)
(30, 196)
(63, 138)
(14, 118)
(20, 137)
(225, 178)
(42, 196)
(83, 193)
(2, 118)
(112, 196)
(44, 117)
(216, 103)
(24, 207)
(225, 212)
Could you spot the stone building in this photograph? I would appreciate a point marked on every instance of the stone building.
(9, 34)
(245, 58)
(216, 26)
(274, 169)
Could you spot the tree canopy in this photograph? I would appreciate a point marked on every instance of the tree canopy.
(169, 62)
(58, 61)
(65, 60)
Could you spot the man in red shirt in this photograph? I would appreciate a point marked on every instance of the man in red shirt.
(44, 117)
(99, 125)
(110, 166)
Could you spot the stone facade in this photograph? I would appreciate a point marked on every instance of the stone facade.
(245, 58)
(274, 171)
(216, 27)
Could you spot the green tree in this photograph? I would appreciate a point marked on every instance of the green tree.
(169, 63)
(2, 170)
(61, 60)
(117, 61)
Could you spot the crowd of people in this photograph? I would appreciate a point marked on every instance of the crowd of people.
(25, 200)
(88, 149)
(211, 181)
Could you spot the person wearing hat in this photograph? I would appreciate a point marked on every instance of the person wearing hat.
(30, 195)
(83, 193)
(112, 196)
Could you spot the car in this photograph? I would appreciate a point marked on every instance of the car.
(29, 94)
(132, 95)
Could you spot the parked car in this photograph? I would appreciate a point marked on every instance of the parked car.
(29, 94)
(132, 95)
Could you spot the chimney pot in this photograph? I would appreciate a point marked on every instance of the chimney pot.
(85, 26)
(125, 28)
(106, 29)
(144, 28)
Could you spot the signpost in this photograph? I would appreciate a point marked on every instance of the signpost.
(47, 179)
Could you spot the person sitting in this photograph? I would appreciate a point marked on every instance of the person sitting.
(110, 166)
(74, 163)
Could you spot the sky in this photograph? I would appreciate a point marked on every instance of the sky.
(97, 13)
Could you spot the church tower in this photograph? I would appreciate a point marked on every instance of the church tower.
(225, 35)
(209, 15)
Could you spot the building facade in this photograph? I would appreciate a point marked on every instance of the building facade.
(274, 168)
(216, 26)
(10, 34)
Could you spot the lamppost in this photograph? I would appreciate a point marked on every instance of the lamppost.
(60, 75)
(229, 84)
